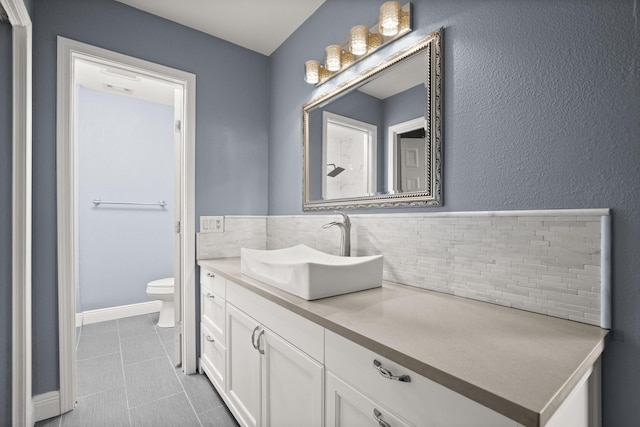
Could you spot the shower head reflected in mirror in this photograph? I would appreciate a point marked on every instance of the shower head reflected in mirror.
(335, 171)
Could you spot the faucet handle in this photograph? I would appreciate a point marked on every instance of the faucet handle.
(345, 217)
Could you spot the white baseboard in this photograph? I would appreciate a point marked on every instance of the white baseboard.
(46, 405)
(119, 312)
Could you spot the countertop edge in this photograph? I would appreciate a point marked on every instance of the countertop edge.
(525, 416)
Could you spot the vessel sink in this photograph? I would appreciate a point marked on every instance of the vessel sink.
(311, 274)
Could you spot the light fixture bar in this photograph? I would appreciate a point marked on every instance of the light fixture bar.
(394, 22)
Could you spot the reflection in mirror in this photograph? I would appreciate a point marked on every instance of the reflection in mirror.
(375, 140)
(348, 146)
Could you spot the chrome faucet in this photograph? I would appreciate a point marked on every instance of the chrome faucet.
(345, 228)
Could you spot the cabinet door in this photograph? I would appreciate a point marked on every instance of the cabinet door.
(292, 391)
(243, 368)
(346, 407)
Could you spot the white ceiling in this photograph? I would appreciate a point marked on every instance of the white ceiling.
(259, 25)
(400, 77)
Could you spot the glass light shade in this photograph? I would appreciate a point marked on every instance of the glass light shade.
(375, 41)
(389, 22)
(324, 74)
(348, 58)
(334, 60)
(405, 21)
(312, 71)
(358, 39)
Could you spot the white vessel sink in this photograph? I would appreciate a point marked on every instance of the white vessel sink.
(311, 274)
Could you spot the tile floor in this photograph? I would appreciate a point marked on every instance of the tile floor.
(126, 378)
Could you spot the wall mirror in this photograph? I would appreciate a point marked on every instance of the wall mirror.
(376, 140)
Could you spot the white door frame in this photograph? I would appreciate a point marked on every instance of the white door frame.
(21, 402)
(393, 136)
(68, 50)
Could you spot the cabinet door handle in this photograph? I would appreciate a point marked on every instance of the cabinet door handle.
(387, 374)
(210, 295)
(210, 339)
(211, 275)
(378, 416)
(253, 337)
(258, 342)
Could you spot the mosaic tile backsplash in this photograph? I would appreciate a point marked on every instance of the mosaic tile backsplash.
(548, 262)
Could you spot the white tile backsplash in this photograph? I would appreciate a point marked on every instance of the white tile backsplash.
(239, 232)
(547, 262)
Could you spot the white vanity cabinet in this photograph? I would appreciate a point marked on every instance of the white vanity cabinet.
(400, 396)
(271, 382)
(275, 367)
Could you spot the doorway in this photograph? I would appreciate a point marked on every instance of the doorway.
(74, 58)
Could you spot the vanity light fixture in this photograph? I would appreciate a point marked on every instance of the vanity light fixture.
(359, 39)
(312, 75)
(334, 57)
(389, 22)
(394, 22)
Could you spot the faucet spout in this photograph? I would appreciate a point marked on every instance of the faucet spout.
(345, 229)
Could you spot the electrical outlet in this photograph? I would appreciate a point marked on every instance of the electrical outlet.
(212, 224)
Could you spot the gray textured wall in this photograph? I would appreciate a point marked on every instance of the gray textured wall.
(5, 219)
(125, 152)
(231, 130)
(541, 110)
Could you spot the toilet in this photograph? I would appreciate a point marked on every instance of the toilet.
(162, 289)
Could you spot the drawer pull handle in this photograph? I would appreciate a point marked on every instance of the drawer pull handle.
(387, 374)
(210, 339)
(258, 342)
(378, 416)
(210, 295)
(253, 337)
(211, 275)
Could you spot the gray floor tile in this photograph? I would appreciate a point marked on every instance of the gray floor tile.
(51, 422)
(219, 417)
(149, 381)
(168, 412)
(169, 348)
(141, 348)
(99, 328)
(98, 345)
(99, 374)
(200, 392)
(165, 334)
(108, 408)
(135, 326)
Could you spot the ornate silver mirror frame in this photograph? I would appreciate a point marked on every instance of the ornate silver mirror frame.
(431, 194)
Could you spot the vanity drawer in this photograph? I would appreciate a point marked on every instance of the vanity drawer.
(346, 406)
(212, 312)
(420, 401)
(213, 357)
(213, 282)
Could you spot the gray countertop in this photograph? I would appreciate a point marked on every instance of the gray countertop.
(520, 364)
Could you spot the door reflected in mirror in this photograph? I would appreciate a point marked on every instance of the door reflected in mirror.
(375, 141)
(349, 148)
